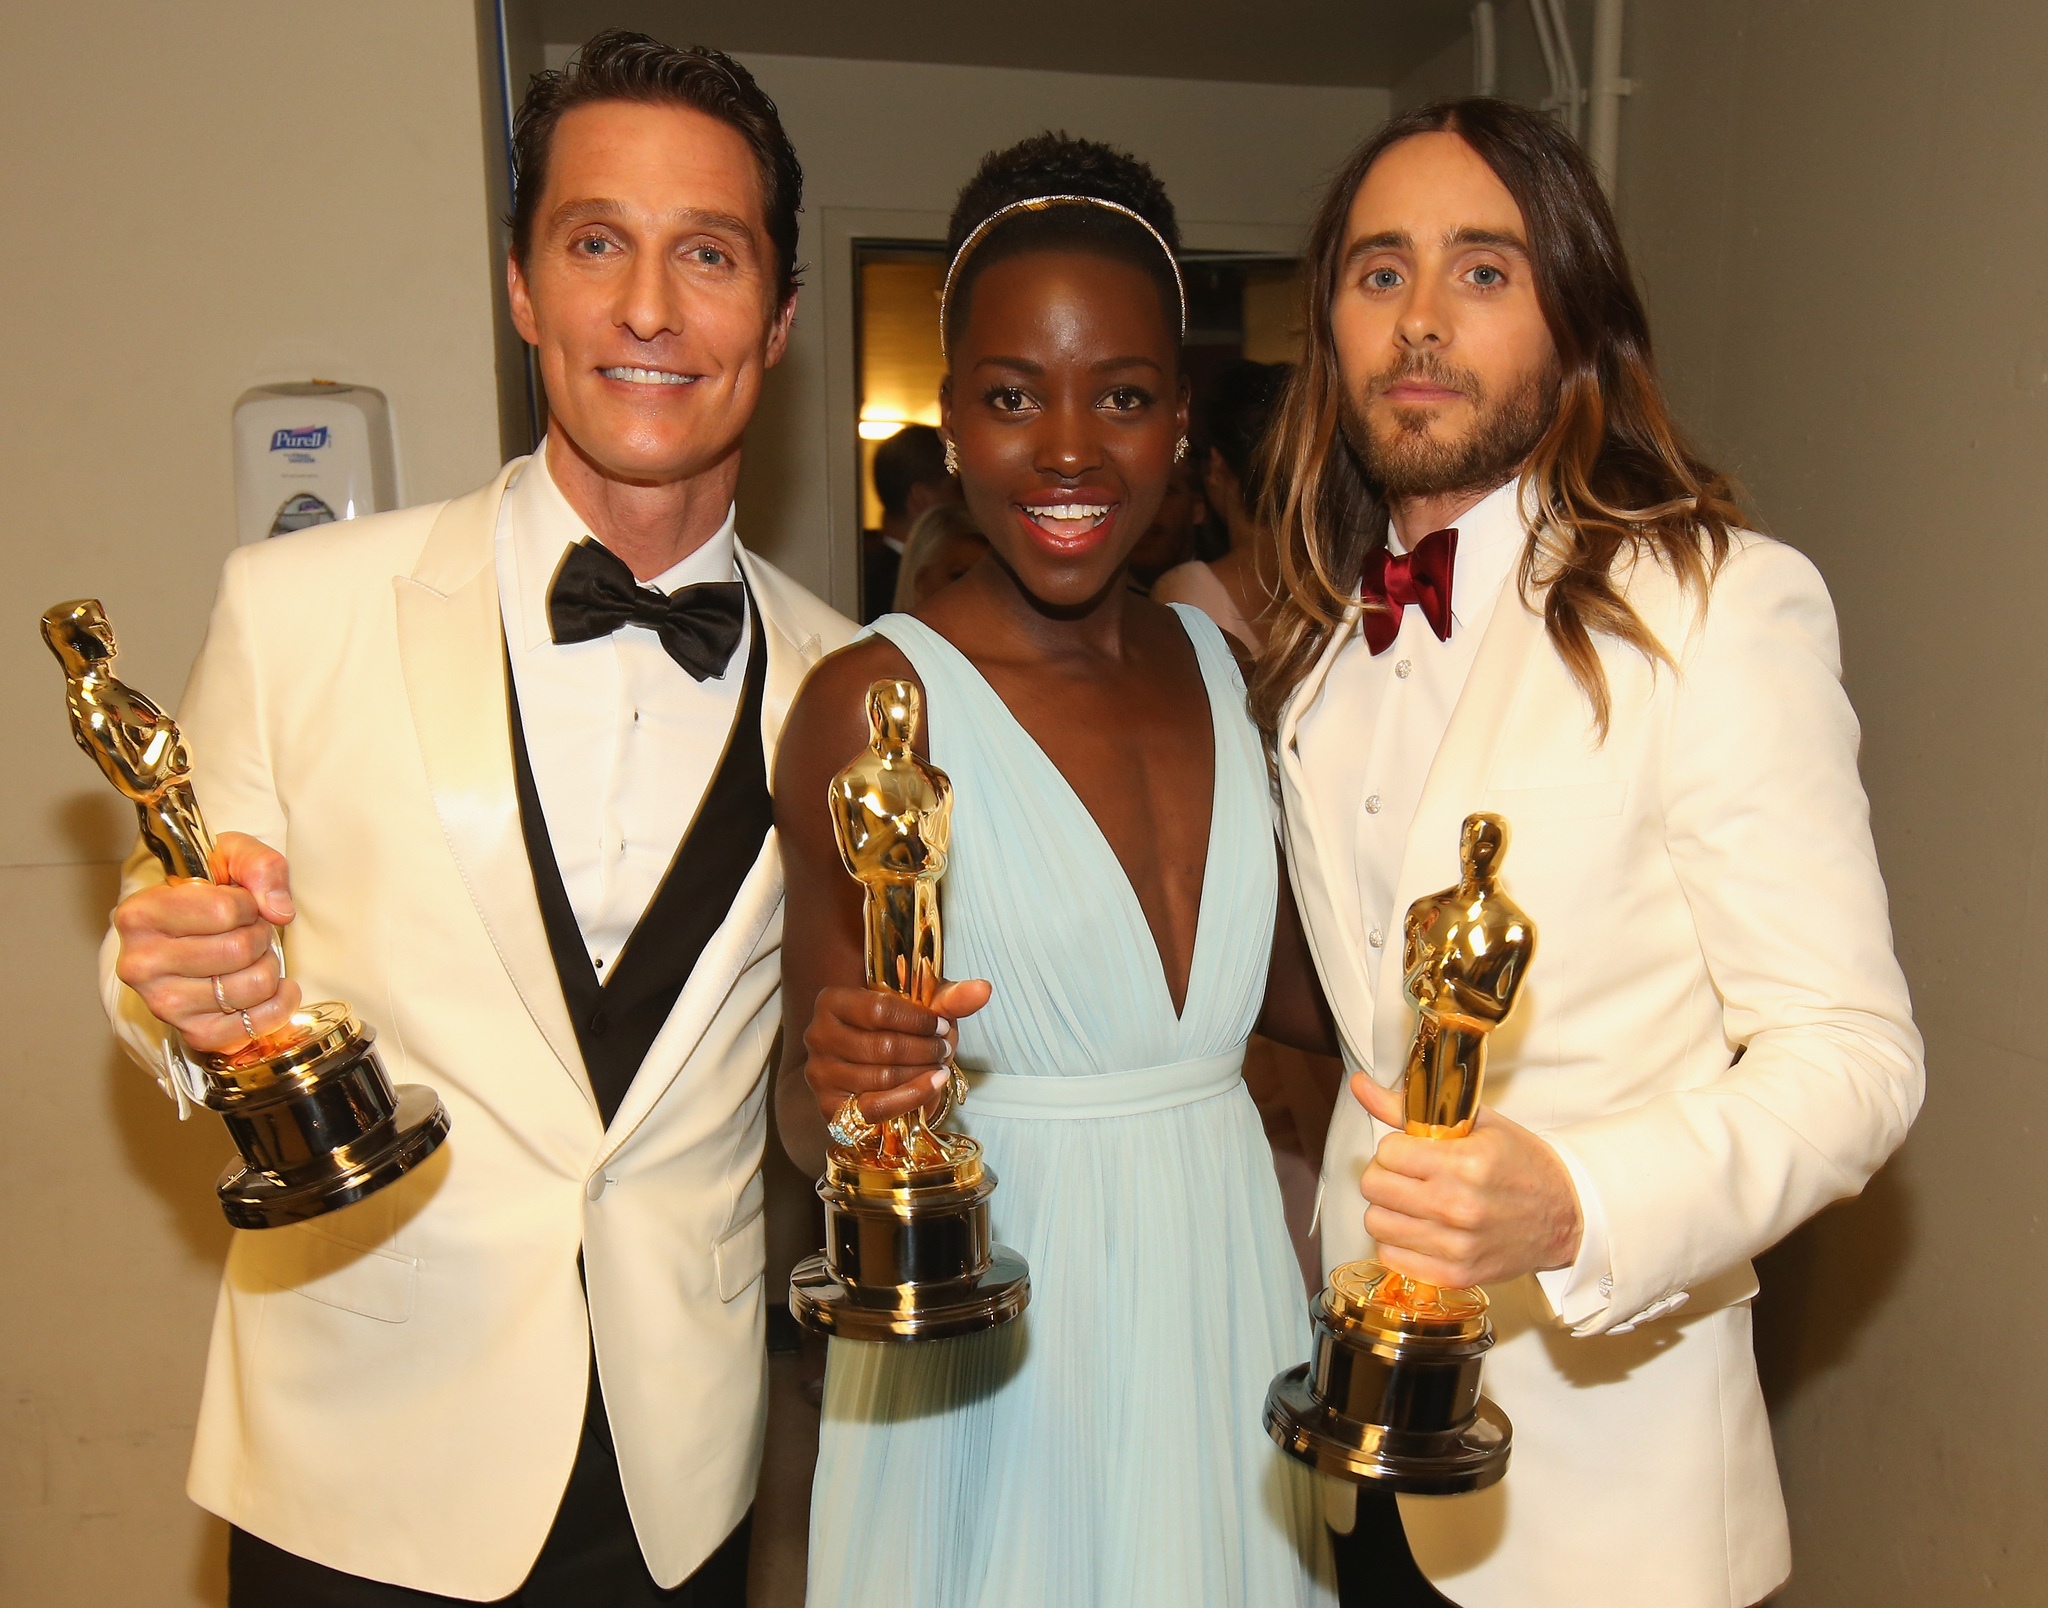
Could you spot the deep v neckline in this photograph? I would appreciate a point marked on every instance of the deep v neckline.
(1136, 906)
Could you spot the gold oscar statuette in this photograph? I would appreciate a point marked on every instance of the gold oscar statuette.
(1391, 1396)
(907, 1249)
(318, 1123)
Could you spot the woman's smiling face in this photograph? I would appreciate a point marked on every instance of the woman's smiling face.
(1064, 403)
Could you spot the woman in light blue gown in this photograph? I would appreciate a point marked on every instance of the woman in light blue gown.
(1113, 891)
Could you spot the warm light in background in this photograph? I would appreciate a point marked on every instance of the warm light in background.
(901, 365)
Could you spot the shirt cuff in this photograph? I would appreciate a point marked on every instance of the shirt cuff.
(182, 1077)
(1581, 1293)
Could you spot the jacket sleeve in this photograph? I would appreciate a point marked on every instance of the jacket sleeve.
(222, 718)
(1768, 830)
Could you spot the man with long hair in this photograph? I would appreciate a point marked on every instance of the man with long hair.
(1511, 587)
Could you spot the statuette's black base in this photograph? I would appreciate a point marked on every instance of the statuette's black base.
(1448, 1463)
(1392, 1399)
(908, 1263)
(317, 1121)
(830, 1306)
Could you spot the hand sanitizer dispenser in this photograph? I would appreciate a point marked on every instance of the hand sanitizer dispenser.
(309, 453)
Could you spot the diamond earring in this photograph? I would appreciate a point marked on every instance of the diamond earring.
(952, 459)
(1180, 449)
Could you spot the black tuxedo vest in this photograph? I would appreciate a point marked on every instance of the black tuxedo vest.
(617, 1018)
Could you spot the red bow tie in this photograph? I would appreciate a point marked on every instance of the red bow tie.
(1422, 577)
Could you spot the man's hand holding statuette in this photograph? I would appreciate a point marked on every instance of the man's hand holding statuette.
(200, 954)
(1491, 1206)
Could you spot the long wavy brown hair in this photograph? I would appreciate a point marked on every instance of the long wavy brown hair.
(1611, 476)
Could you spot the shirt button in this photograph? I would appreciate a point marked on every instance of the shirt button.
(1372, 804)
(1374, 938)
(1403, 668)
(594, 1190)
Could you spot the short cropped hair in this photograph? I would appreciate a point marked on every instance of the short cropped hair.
(620, 66)
(1057, 164)
(914, 456)
(1233, 415)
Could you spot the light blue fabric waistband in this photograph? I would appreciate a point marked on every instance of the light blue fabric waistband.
(1104, 1094)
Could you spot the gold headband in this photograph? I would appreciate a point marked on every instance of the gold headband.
(1039, 203)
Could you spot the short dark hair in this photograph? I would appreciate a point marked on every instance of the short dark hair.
(1054, 163)
(1235, 411)
(914, 456)
(616, 65)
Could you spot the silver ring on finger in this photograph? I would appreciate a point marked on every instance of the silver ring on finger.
(220, 998)
(248, 1026)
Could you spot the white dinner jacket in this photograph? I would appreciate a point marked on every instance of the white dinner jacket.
(1714, 1024)
(396, 1390)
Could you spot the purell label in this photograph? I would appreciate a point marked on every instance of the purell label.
(298, 440)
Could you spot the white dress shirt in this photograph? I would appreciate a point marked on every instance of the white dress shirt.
(1373, 732)
(623, 741)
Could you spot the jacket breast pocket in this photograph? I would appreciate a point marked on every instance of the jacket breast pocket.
(300, 1260)
(1585, 801)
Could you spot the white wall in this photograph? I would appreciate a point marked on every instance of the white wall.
(892, 141)
(197, 199)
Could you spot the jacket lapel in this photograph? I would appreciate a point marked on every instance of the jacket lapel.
(1455, 786)
(760, 896)
(1322, 902)
(452, 652)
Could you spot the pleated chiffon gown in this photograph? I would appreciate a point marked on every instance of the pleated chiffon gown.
(1106, 1448)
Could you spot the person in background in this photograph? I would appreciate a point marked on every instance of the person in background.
(531, 1371)
(943, 545)
(1171, 538)
(1236, 590)
(910, 476)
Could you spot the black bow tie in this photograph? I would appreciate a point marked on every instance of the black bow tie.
(594, 593)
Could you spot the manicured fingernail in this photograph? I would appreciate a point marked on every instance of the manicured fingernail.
(945, 1027)
(940, 1080)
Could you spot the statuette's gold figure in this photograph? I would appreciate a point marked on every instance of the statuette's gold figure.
(133, 741)
(908, 1254)
(892, 814)
(316, 1119)
(1465, 954)
(1391, 1395)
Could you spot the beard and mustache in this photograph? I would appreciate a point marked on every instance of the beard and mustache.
(1405, 458)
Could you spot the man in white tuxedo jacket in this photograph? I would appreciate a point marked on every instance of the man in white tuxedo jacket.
(513, 750)
(1511, 589)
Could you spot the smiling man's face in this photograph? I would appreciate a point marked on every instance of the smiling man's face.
(649, 287)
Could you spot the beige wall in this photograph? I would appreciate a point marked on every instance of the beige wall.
(1840, 212)
(198, 199)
